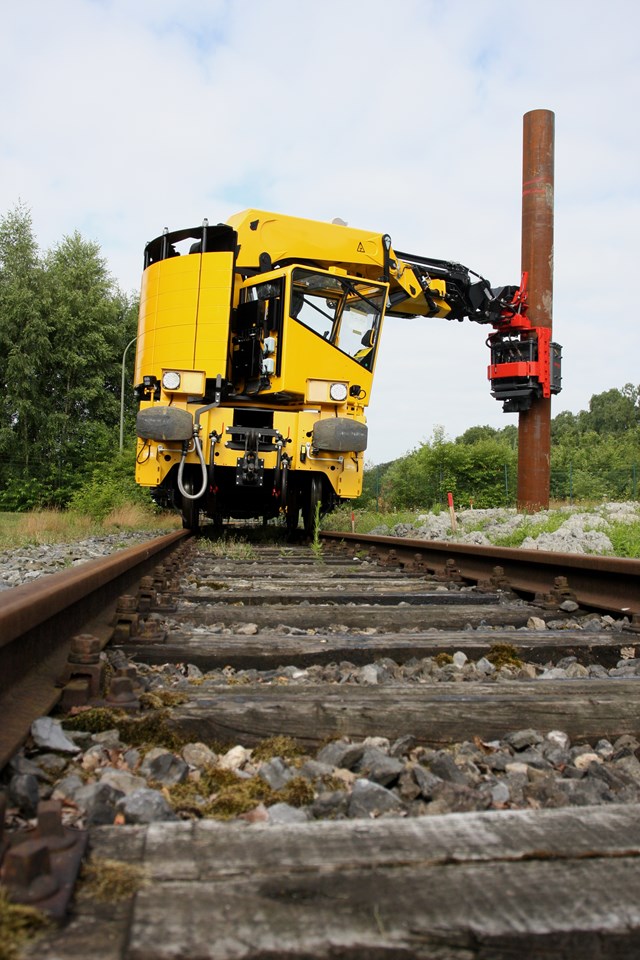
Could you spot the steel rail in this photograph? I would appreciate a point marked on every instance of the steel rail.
(603, 583)
(37, 621)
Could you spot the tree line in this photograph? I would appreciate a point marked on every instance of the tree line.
(64, 324)
(595, 454)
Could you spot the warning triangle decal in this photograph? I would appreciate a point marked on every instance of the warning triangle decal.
(360, 248)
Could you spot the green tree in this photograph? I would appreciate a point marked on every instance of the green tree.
(64, 325)
(91, 322)
(614, 411)
(24, 343)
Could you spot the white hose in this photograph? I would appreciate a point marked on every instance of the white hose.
(205, 479)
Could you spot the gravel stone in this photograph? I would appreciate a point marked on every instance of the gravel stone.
(341, 753)
(285, 813)
(330, 805)
(500, 794)
(122, 780)
(377, 766)
(51, 764)
(67, 788)
(166, 769)
(21, 764)
(99, 800)
(145, 806)
(314, 770)
(444, 766)
(235, 758)
(24, 793)
(198, 755)
(426, 780)
(276, 773)
(370, 799)
(523, 738)
(630, 766)
(49, 735)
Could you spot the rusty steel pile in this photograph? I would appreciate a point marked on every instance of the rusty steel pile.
(357, 749)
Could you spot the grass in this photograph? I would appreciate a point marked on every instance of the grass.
(366, 520)
(625, 538)
(530, 527)
(64, 526)
(227, 548)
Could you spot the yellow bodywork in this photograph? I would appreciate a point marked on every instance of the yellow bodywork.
(276, 322)
(184, 314)
(360, 252)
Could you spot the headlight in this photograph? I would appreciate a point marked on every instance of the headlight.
(171, 380)
(338, 392)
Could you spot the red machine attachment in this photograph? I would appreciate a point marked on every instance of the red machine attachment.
(525, 363)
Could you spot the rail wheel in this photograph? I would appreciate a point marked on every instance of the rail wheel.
(190, 508)
(313, 502)
(292, 508)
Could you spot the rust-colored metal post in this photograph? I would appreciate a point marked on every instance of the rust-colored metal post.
(534, 424)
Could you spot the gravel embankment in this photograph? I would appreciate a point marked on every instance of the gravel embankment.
(24, 564)
(581, 531)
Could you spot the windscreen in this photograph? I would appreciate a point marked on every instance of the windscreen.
(341, 310)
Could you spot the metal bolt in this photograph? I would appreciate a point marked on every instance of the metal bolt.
(50, 828)
(127, 604)
(121, 694)
(85, 648)
(27, 872)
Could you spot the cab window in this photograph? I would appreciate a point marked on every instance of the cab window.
(343, 311)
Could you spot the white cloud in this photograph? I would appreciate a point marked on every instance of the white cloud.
(122, 117)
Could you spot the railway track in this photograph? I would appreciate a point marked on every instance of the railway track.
(394, 760)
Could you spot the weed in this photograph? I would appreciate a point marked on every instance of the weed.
(316, 546)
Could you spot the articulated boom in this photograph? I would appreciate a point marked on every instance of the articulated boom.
(256, 353)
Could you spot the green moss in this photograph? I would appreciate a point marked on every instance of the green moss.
(226, 795)
(147, 731)
(110, 881)
(298, 792)
(285, 747)
(239, 797)
(504, 655)
(162, 698)
(442, 659)
(18, 925)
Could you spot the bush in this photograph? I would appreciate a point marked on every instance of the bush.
(110, 486)
(21, 495)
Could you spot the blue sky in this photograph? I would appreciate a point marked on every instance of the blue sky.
(120, 117)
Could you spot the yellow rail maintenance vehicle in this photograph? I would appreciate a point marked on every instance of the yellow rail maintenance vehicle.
(256, 353)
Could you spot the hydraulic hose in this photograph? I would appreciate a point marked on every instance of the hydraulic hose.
(198, 448)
